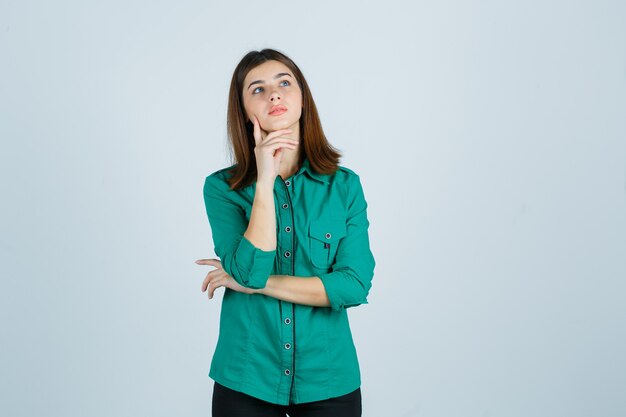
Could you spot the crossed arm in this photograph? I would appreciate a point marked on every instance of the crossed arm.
(247, 250)
(259, 241)
(299, 290)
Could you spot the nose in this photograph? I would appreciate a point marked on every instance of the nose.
(274, 95)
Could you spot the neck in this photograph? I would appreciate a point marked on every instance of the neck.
(289, 159)
(288, 163)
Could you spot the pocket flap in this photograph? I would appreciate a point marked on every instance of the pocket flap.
(327, 230)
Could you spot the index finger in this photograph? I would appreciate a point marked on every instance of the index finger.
(211, 262)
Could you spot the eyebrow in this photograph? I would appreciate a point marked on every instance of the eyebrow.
(280, 74)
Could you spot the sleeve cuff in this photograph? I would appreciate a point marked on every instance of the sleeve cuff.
(339, 297)
(256, 264)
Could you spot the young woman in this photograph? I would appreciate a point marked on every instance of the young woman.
(290, 227)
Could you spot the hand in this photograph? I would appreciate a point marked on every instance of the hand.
(268, 150)
(219, 278)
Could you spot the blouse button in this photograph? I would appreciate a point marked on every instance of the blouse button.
(287, 372)
(285, 205)
(287, 254)
(287, 320)
(287, 229)
(287, 183)
(287, 345)
(328, 235)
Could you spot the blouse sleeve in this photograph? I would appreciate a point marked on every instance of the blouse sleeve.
(247, 264)
(351, 278)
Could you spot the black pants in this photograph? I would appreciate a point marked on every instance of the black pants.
(230, 403)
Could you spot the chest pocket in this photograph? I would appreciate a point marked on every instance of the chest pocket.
(324, 237)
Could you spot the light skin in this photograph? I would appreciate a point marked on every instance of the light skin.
(276, 151)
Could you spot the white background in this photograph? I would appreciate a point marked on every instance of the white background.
(490, 137)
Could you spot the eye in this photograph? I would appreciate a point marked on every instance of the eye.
(283, 81)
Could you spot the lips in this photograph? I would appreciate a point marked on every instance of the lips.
(278, 109)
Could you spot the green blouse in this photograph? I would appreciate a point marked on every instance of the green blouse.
(278, 351)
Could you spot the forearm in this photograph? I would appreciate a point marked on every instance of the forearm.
(299, 290)
(261, 231)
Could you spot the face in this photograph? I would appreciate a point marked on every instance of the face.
(270, 84)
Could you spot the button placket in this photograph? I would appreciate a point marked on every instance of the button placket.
(286, 241)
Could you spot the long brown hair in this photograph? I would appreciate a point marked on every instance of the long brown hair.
(323, 157)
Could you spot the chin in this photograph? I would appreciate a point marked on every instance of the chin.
(281, 123)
